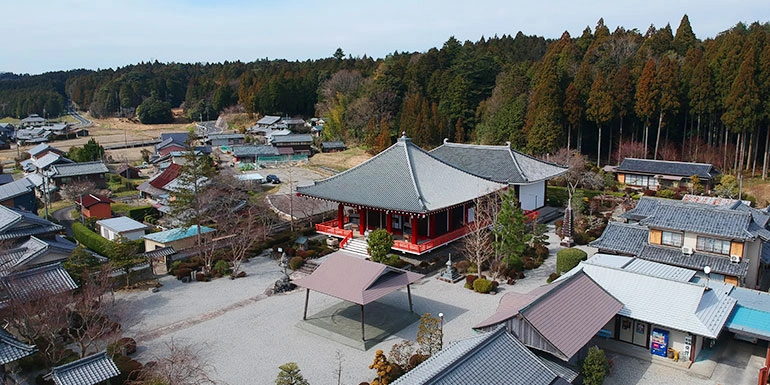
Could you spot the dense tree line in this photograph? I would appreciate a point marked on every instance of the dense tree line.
(660, 94)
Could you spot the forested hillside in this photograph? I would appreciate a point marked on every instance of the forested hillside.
(658, 93)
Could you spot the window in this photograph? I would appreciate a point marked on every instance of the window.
(646, 181)
(711, 245)
(671, 239)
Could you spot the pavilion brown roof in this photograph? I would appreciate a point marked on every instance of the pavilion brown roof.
(350, 278)
(567, 313)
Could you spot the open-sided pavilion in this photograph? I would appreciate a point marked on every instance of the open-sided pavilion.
(348, 277)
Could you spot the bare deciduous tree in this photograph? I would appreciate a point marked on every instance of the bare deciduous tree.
(477, 245)
(179, 365)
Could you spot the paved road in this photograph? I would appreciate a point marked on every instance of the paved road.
(64, 217)
(82, 122)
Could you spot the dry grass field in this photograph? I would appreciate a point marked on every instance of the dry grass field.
(340, 161)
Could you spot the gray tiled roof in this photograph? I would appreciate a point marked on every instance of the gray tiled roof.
(11, 349)
(333, 145)
(498, 163)
(698, 218)
(16, 224)
(402, 178)
(490, 358)
(32, 284)
(6, 178)
(85, 371)
(622, 238)
(39, 148)
(75, 169)
(16, 188)
(226, 136)
(268, 119)
(719, 264)
(664, 167)
(49, 159)
(255, 150)
(292, 138)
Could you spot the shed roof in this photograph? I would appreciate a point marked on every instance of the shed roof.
(49, 159)
(567, 313)
(665, 167)
(85, 371)
(333, 145)
(92, 199)
(403, 178)
(123, 168)
(11, 349)
(76, 169)
(121, 224)
(719, 264)
(489, 358)
(42, 147)
(350, 278)
(497, 163)
(177, 234)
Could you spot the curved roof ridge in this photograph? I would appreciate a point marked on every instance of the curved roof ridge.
(406, 141)
(669, 161)
(516, 163)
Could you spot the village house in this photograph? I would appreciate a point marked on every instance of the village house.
(158, 187)
(267, 121)
(527, 175)
(31, 241)
(731, 240)
(33, 120)
(95, 206)
(126, 227)
(219, 140)
(80, 172)
(661, 308)
(250, 153)
(333, 146)
(5, 179)
(178, 239)
(11, 350)
(19, 194)
(657, 174)
(293, 144)
(127, 171)
(94, 369)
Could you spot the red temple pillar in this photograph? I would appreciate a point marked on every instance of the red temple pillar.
(340, 216)
(361, 220)
(431, 225)
(389, 223)
(449, 220)
(415, 224)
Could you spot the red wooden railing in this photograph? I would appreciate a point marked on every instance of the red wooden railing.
(345, 240)
(433, 242)
(331, 228)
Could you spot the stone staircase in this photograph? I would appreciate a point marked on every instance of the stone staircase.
(357, 246)
(308, 267)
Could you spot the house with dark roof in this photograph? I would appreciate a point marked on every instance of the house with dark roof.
(489, 358)
(127, 171)
(559, 319)
(95, 206)
(42, 149)
(424, 202)
(733, 241)
(35, 252)
(250, 153)
(5, 179)
(80, 172)
(35, 283)
(19, 194)
(335, 146)
(299, 144)
(33, 120)
(94, 369)
(527, 175)
(219, 140)
(11, 349)
(656, 174)
(267, 121)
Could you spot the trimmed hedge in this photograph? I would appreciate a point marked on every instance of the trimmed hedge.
(567, 259)
(91, 239)
(138, 213)
(482, 285)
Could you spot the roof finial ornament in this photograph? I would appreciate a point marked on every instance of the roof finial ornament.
(446, 140)
(403, 134)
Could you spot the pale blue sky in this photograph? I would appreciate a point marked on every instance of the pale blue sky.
(49, 35)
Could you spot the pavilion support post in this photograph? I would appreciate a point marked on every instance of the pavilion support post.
(361, 220)
(363, 336)
(340, 216)
(409, 294)
(389, 222)
(415, 224)
(307, 297)
(432, 225)
(449, 220)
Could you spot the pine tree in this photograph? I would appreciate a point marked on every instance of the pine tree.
(290, 375)
(684, 38)
(599, 108)
(510, 230)
(667, 84)
(742, 104)
(573, 110)
(646, 97)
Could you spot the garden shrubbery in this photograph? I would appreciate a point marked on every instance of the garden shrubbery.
(567, 259)
(482, 285)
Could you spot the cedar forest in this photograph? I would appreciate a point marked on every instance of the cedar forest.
(661, 94)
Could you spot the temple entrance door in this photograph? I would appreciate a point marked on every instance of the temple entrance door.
(397, 223)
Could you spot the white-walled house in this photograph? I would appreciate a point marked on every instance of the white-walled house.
(121, 226)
